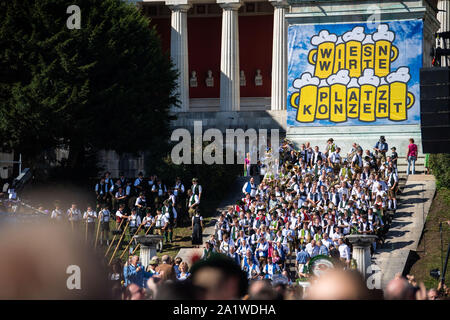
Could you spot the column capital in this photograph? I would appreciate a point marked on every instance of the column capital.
(179, 5)
(279, 3)
(230, 4)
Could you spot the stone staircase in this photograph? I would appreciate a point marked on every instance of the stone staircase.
(290, 259)
(407, 225)
(402, 164)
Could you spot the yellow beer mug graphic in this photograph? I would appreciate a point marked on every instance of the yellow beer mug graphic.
(323, 101)
(353, 92)
(368, 52)
(382, 107)
(385, 52)
(338, 101)
(339, 56)
(399, 94)
(353, 50)
(323, 57)
(307, 97)
(369, 83)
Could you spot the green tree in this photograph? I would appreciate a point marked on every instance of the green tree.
(107, 85)
(440, 168)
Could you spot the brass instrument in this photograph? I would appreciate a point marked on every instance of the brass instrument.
(352, 154)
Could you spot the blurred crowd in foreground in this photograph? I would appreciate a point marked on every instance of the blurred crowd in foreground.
(47, 262)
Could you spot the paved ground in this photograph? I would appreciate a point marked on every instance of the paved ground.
(407, 226)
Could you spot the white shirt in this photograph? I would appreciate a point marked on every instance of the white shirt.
(105, 215)
(226, 245)
(161, 221)
(76, 214)
(178, 186)
(119, 214)
(135, 220)
(253, 189)
(335, 157)
(344, 251)
(12, 194)
(147, 221)
(56, 214)
(90, 216)
(165, 211)
(195, 198)
(161, 189)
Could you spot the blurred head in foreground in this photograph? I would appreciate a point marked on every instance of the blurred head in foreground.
(399, 289)
(263, 290)
(48, 262)
(338, 284)
(220, 277)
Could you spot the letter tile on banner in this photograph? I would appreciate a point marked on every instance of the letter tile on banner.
(354, 74)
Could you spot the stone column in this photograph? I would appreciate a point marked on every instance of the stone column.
(443, 17)
(361, 250)
(229, 59)
(179, 50)
(147, 248)
(279, 56)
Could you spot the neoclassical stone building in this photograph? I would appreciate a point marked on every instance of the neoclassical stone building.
(232, 56)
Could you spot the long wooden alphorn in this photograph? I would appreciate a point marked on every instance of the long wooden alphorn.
(118, 243)
(86, 234)
(114, 238)
(131, 240)
(100, 216)
(146, 232)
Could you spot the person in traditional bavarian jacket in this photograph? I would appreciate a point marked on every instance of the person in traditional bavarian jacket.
(330, 148)
(161, 223)
(120, 216)
(134, 222)
(171, 215)
(102, 190)
(141, 205)
(113, 191)
(250, 188)
(159, 191)
(196, 188)
(335, 159)
(56, 213)
(392, 182)
(89, 217)
(197, 229)
(104, 216)
(192, 203)
(139, 183)
(270, 269)
(74, 216)
(180, 196)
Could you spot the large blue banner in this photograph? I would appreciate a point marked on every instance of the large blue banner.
(354, 74)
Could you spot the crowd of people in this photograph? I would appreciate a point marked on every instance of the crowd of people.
(315, 198)
(140, 205)
(301, 209)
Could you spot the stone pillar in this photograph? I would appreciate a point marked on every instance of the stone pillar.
(361, 250)
(147, 247)
(443, 17)
(229, 59)
(179, 50)
(279, 56)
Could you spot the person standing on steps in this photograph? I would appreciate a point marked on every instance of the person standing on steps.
(197, 229)
(411, 156)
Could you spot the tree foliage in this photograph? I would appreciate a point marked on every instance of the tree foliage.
(107, 85)
(440, 167)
